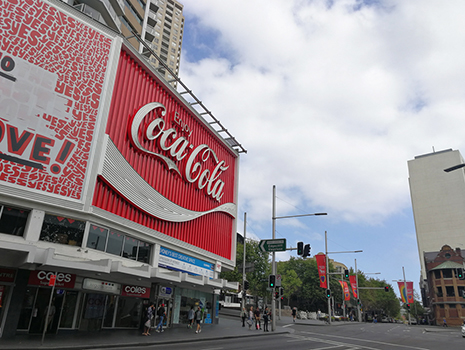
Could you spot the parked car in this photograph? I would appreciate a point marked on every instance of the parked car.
(413, 321)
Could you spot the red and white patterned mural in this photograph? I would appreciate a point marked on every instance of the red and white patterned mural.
(52, 70)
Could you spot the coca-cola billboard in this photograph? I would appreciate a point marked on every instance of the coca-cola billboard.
(165, 167)
(135, 291)
(42, 278)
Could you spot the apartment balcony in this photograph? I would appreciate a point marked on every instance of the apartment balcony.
(107, 12)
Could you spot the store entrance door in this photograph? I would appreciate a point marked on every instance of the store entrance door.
(168, 320)
(39, 317)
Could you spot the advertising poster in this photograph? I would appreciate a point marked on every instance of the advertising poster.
(52, 70)
(406, 291)
(321, 263)
(353, 284)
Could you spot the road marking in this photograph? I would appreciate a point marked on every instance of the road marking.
(333, 344)
(368, 341)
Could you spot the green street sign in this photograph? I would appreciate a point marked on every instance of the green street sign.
(273, 245)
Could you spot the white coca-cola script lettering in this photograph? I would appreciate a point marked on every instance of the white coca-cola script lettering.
(178, 148)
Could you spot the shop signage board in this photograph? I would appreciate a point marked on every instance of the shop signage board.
(181, 262)
(135, 291)
(101, 286)
(43, 278)
(7, 275)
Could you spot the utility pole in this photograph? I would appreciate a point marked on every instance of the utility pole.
(327, 277)
(273, 266)
(358, 293)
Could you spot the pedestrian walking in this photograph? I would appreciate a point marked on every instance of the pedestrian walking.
(148, 319)
(294, 313)
(266, 315)
(161, 313)
(444, 324)
(257, 318)
(250, 319)
(198, 318)
(190, 317)
(243, 316)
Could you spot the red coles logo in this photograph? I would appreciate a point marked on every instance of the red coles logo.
(42, 278)
(135, 291)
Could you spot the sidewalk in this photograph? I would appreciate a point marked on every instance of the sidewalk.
(228, 327)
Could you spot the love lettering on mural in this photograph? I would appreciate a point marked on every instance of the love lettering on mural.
(52, 69)
(201, 164)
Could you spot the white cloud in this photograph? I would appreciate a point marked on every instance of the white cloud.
(331, 102)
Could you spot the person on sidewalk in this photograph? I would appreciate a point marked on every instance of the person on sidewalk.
(257, 318)
(198, 318)
(294, 313)
(251, 316)
(444, 322)
(190, 317)
(243, 316)
(161, 313)
(266, 314)
(148, 319)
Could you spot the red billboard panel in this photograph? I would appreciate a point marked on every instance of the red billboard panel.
(52, 69)
(179, 176)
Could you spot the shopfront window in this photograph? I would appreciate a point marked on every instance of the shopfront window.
(70, 306)
(97, 238)
(130, 248)
(12, 220)
(61, 230)
(129, 312)
(4, 290)
(117, 243)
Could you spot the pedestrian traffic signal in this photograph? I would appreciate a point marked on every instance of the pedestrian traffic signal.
(306, 251)
(300, 248)
(386, 288)
(281, 291)
(346, 273)
(328, 293)
(246, 285)
(272, 281)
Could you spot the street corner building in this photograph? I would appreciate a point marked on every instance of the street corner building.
(114, 190)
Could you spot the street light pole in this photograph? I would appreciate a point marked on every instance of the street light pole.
(244, 292)
(358, 293)
(273, 266)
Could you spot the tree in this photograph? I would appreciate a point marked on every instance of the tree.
(258, 276)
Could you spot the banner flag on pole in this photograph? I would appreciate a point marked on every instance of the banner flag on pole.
(353, 284)
(345, 288)
(321, 263)
(406, 294)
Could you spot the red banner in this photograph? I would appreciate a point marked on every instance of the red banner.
(406, 293)
(321, 263)
(353, 284)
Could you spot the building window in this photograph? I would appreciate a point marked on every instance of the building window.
(450, 291)
(12, 220)
(117, 243)
(447, 273)
(61, 230)
(452, 306)
(441, 306)
(460, 291)
(439, 292)
(437, 274)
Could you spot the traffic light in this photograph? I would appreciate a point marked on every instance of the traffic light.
(272, 281)
(276, 295)
(346, 273)
(306, 251)
(460, 274)
(246, 285)
(300, 248)
(328, 293)
(358, 302)
(281, 291)
(407, 306)
(386, 288)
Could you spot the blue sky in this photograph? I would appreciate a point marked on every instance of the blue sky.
(331, 99)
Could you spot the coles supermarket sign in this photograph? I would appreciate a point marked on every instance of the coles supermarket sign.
(52, 69)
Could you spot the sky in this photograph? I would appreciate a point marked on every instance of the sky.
(331, 99)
